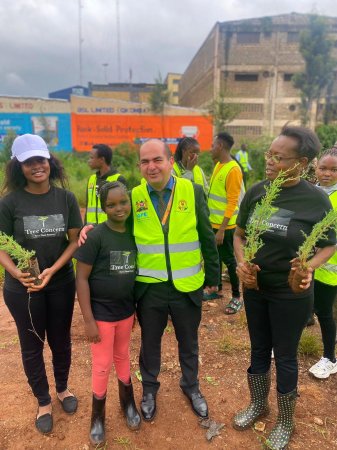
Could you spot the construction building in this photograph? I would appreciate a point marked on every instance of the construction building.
(251, 62)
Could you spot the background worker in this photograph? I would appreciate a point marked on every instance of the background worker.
(225, 194)
(242, 157)
(186, 162)
(100, 159)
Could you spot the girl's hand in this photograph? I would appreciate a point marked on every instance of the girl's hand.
(91, 331)
(192, 161)
(245, 272)
(25, 278)
(45, 276)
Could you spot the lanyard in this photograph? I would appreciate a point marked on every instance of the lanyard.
(169, 206)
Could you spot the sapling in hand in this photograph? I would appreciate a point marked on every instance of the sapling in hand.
(307, 249)
(259, 223)
(25, 260)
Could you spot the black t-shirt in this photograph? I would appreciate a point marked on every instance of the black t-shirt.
(40, 222)
(112, 256)
(300, 207)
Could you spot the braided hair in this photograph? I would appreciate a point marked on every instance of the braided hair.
(183, 144)
(106, 187)
(330, 151)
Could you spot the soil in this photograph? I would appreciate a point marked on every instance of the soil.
(224, 357)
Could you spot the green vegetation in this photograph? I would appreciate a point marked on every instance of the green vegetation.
(316, 48)
(327, 134)
(259, 222)
(15, 251)
(310, 344)
(318, 232)
(221, 112)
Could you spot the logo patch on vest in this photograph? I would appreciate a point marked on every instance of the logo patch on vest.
(142, 209)
(182, 206)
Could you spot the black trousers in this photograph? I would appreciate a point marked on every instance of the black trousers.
(51, 311)
(276, 321)
(159, 300)
(226, 255)
(325, 297)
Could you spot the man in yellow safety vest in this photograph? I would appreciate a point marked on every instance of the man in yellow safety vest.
(100, 159)
(173, 235)
(225, 194)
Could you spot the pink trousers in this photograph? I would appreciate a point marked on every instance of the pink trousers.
(113, 349)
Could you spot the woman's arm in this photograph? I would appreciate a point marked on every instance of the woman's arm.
(83, 294)
(46, 275)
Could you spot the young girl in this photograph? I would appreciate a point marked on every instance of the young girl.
(325, 290)
(44, 218)
(105, 276)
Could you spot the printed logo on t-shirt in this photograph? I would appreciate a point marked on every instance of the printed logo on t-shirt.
(279, 221)
(122, 262)
(44, 226)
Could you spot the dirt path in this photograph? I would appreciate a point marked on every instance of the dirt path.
(222, 377)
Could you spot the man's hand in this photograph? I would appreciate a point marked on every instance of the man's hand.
(83, 234)
(210, 289)
(219, 236)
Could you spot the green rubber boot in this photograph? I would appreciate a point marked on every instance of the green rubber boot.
(259, 387)
(279, 436)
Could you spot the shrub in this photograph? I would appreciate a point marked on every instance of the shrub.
(327, 135)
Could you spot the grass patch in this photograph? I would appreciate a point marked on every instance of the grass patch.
(310, 344)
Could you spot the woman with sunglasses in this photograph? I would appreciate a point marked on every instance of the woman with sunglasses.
(276, 316)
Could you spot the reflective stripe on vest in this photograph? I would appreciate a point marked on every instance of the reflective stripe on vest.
(183, 245)
(217, 198)
(197, 174)
(94, 213)
(327, 273)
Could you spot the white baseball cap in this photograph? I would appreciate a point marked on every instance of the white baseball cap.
(29, 145)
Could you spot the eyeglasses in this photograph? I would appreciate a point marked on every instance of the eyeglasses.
(277, 159)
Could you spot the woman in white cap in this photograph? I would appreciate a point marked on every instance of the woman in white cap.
(45, 218)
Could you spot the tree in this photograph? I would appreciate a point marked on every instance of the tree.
(315, 48)
(6, 147)
(158, 97)
(222, 112)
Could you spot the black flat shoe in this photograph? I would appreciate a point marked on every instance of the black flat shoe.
(69, 404)
(44, 424)
(198, 403)
(148, 406)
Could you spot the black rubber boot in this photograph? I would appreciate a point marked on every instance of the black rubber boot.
(259, 387)
(97, 427)
(279, 436)
(128, 405)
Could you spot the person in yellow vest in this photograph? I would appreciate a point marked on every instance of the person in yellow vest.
(100, 159)
(225, 194)
(186, 162)
(173, 235)
(242, 158)
(325, 288)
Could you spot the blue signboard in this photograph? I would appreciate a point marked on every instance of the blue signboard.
(55, 128)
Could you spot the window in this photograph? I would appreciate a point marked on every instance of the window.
(288, 76)
(175, 94)
(175, 81)
(244, 131)
(246, 77)
(248, 37)
(251, 107)
(293, 36)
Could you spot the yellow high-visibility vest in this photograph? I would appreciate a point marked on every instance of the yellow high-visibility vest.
(94, 213)
(327, 273)
(217, 196)
(243, 160)
(197, 174)
(180, 247)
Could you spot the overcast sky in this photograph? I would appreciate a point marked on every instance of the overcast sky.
(39, 39)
